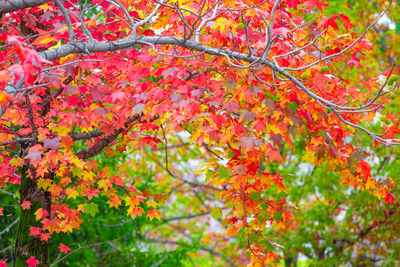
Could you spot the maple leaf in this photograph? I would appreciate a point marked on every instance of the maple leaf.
(389, 198)
(118, 96)
(35, 231)
(246, 143)
(92, 192)
(232, 106)
(325, 23)
(44, 183)
(346, 21)
(5, 99)
(45, 237)
(34, 156)
(314, 3)
(51, 143)
(151, 203)
(18, 162)
(138, 109)
(63, 248)
(41, 214)
(292, 3)
(72, 193)
(26, 205)
(153, 213)
(135, 211)
(32, 262)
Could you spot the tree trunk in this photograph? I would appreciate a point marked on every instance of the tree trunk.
(26, 245)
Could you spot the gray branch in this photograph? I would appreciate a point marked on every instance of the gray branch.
(7, 6)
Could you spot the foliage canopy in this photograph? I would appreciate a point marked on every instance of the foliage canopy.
(246, 130)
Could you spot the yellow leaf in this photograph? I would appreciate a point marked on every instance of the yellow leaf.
(17, 162)
(72, 193)
(44, 183)
(63, 59)
(151, 203)
(154, 214)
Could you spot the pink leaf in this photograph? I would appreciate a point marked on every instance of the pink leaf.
(64, 248)
(26, 205)
(32, 262)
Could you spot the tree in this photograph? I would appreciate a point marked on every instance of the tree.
(118, 101)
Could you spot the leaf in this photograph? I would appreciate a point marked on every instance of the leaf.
(118, 96)
(51, 143)
(5, 99)
(325, 23)
(41, 214)
(17, 162)
(152, 213)
(91, 209)
(389, 198)
(311, 4)
(45, 237)
(26, 205)
(138, 109)
(232, 106)
(346, 21)
(63, 248)
(34, 156)
(35, 231)
(32, 262)
(151, 203)
(248, 115)
(44, 183)
(247, 143)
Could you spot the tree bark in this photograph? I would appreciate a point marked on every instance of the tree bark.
(26, 245)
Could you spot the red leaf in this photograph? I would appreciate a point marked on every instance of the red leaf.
(3, 263)
(292, 3)
(26, 205)
(314, 3)
(325, 23)
(35, 231)
(389, 198)
(64, 248)
(32, 262)
(346, 21)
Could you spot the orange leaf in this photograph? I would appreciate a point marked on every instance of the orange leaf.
(5, 99)
(154, 214)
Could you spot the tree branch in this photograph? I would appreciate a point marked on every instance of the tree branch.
(7, 6)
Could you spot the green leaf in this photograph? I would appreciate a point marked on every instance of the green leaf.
(92, 209)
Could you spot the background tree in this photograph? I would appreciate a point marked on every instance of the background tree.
(182, 110)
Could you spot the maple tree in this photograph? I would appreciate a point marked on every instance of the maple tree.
(182, 110)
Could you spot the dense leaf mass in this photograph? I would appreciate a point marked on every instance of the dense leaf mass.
(230, 128)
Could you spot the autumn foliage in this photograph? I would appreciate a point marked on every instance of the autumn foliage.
(173, 110)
